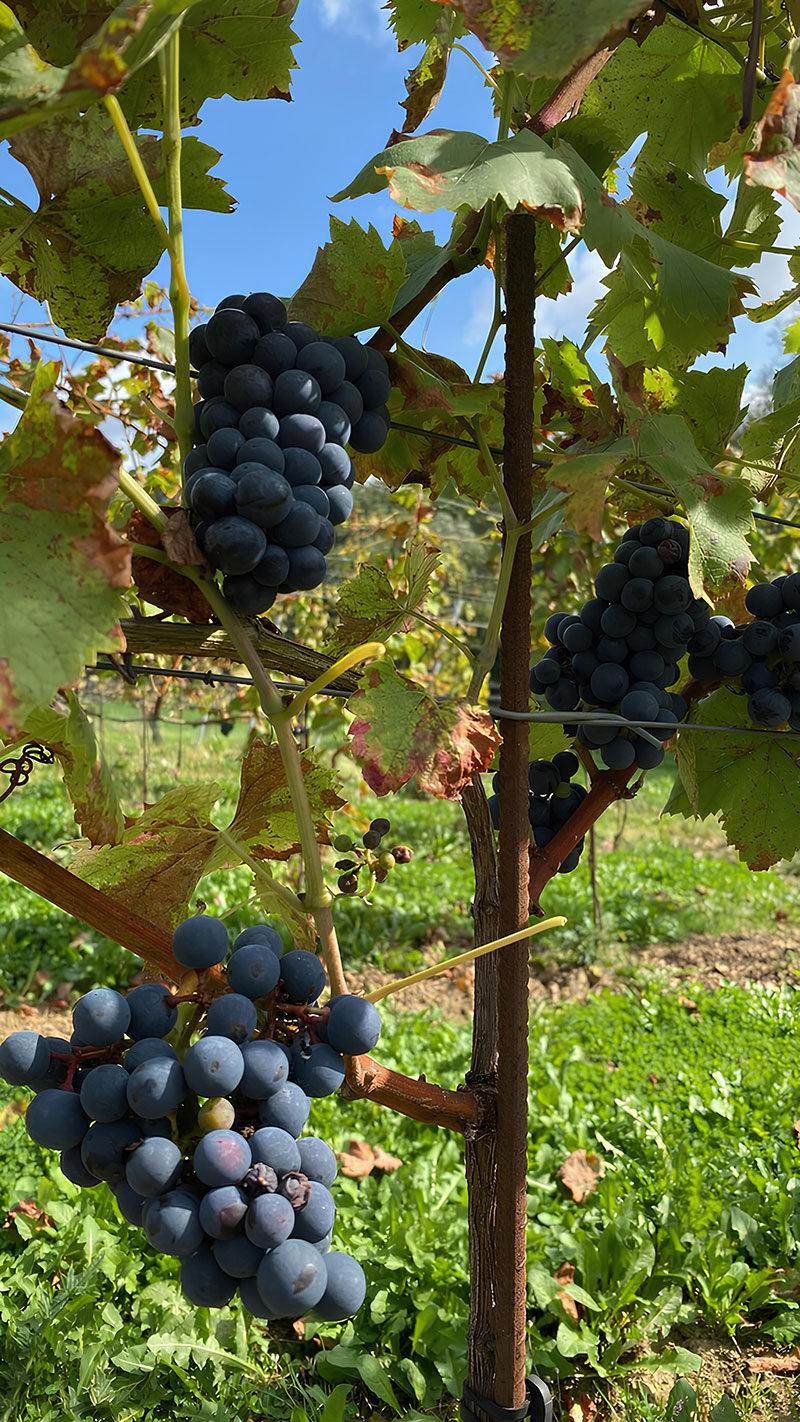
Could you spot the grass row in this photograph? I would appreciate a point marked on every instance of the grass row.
(694, 1218)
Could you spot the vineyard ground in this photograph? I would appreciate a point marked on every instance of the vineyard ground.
(686, 940)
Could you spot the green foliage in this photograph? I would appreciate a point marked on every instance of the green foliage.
(353, 282)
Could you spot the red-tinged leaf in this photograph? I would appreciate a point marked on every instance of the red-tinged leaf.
(580, 1173)
(162, 586)
(540, 37)
(400, 732)
(62, 567)
(264, 820)
(29, 1210)
(360, 1159)
(775, 160)
(160, 858)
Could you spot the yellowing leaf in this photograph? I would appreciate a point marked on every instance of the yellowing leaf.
(87, 776)
(353, 282)
(264, 820)
(62, 567)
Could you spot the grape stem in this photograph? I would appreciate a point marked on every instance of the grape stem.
(366, 652)
(402, 983)
(179, 294)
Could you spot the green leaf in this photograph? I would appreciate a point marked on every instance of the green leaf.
(353, 282)
(399, 731)
(751, 783)
(545, 37)
(62, 568)
(226, 48)
(679, 88)
(369, 607)
(91, 240)
(335, 1404)
(768, 309)
(90, 784)
(786, 385)
(450, 169)
(710, 402)
(718, 507)
(413, 21)
(161, 857)
(773, 440)
(27, 84)
(586, 478)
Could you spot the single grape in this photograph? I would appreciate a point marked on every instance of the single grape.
(154, 1166)
(287, 1108)
(156, 1087)
(171, 1223)
(24, 1057)
(130, 1205)
(272, 1146)
(152, 1013)
(315, 1219)
(269, 1221)
(104, 1093)
(317, 1160)
(254, 970)
(101, 1017)
(292, 1278)
(238, 1256)
(213, 1066)
(302, 975)
(145, 1050)
(73, 1168)
(268, 311)
(320, 1072)
(222, 1158)
(232, 1015)
(222, 1211)
(260, 933)
(203, 1282)
(266, 1069)
(345, 1290)
(200, 941)
(105, 1148)
(354, 1025)
(247, 385)
(231, 336)
(56, 1119)
(216, 1114)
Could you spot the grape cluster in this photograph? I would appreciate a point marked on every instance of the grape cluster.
(761, 657)
(621, 652)
(201, 1144)
(368, 856)
(271, 479)
(552, 799)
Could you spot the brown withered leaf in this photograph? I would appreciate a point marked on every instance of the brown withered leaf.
(566, 1275)
(360, 1159)
(31, 1211)
(580, 1408)
(580, 1173)
(796, 1133)
(10, 1112)
(161, 586)
(775, 160)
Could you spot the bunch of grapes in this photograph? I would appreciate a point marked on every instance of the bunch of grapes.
(201, 1144)
(621, 653)
(368, 856)
(762, 657)
(271, 479)
(552, 799)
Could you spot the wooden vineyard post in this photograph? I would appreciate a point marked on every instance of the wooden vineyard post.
(497, 1155)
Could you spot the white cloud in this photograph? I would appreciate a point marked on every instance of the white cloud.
(365, 19)
(567, 315)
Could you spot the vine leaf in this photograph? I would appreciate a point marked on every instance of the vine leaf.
(353, 282)
(546, 37)
(718, 506)
(160, 858)
(69, 735)
(369, 607)
(160, 584)
(710, 402)
(399, 731)
(679, 88)
(439, 405)
(751, 783)
(264, 820)
(774, 162)
(228, 48)
(424, 83)
(91, 241)
(62, 567)
(456, 169)
(773, 440)
(586, 477)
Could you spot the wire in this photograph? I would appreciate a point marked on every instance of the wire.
(395, 424)
(498, 713)
(82, 346)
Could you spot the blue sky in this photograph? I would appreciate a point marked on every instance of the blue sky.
(281, 161)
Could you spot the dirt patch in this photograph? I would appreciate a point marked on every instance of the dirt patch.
(763, 1380)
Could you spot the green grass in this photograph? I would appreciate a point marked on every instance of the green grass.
(696, 1213)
